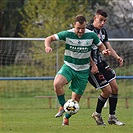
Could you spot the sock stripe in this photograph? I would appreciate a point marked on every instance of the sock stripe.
(102, 99)
(113, 95)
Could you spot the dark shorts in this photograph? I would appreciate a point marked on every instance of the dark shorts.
(105, 75)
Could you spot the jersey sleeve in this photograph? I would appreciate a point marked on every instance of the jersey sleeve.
(106, 35)
(96, 40)
(61, 35)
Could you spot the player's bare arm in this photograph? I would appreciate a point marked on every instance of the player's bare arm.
(48, 41)
(103, 50)
(114, 54)
(94, 68)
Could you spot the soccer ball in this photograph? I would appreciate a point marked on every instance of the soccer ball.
(71, 107)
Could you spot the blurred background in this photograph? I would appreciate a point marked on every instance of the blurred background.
(27, 73)
(40, 18)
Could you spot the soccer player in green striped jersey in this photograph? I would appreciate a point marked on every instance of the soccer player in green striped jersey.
(76, 65)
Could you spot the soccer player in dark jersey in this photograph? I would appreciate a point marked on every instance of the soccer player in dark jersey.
(102, 76)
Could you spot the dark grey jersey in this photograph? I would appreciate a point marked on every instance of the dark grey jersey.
(102, 34)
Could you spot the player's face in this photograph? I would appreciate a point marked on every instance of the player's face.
(79, 28)
(99, 21)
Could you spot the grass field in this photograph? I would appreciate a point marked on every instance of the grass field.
(22, 112)
(32, 115)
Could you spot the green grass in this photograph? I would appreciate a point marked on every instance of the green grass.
(31, 88)
(43, 121)
(21, 112)
(32, 115)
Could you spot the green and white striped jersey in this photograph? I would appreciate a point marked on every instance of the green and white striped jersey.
(78, 49)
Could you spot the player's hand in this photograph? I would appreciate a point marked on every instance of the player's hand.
(48, 50)
(94, 69)
(120, 60)
(106, 52)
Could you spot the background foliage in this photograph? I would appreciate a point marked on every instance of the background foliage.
(40, 18)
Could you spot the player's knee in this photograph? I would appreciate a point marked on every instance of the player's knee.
(56, 85)
(106, 91)
(115, 90)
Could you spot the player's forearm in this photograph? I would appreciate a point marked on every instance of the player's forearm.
(94, 68)
(92, 63)
(114, 54)
(47, 42)
(103, 50)
(101, 47)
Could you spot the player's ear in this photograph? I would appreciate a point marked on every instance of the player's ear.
(74, 23)
(95, 17)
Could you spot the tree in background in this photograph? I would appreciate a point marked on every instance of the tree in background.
(42, 18)
(120, 18)
(10, 18)
(34, 18)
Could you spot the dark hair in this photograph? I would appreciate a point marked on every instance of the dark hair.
(80, 18)
(102, 12)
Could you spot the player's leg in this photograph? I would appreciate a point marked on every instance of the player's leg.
(99, 82)
(59, 82)
(76, 97)
(100, 104)
(113, 99)
(78, 85)
(106, 91)
(110, 76)
(67, 116)
(62, 78)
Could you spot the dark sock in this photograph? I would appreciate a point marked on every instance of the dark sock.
(113, 102)
(68, 115)
(100, 103)
(61, 99)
